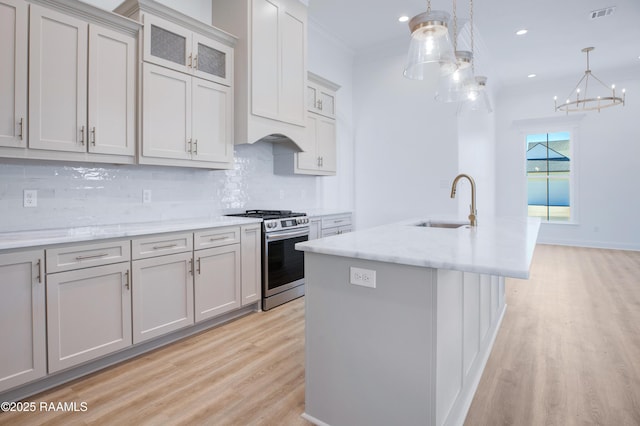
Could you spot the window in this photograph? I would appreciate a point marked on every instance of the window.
(549, 176)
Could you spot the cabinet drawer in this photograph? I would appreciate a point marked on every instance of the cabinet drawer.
(335, 231)
(86, 255)
(335, 221)
(216, 237)
(159, 245)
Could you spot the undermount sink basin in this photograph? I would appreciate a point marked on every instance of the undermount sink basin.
(439, 224)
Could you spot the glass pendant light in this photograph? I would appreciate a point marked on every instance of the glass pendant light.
(430, 44)
(457, 86)
(477, 96)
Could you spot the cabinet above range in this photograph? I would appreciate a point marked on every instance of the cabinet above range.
(270, 67)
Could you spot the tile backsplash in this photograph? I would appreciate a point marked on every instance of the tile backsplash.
(79, 194)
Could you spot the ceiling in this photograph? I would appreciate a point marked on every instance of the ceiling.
(558, 30)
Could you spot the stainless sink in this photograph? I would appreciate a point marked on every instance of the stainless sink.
(439, 224)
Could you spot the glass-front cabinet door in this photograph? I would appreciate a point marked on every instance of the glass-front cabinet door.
(212, 60)
(167, 44)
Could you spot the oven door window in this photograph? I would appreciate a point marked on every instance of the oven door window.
(285, 263)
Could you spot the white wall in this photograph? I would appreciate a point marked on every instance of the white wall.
(406, 143)
(607, 157)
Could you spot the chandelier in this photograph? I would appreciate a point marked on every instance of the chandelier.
(582, 101)
(430, 44)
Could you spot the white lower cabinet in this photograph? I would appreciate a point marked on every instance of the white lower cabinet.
(88, 314)
(22, 318)
(336, 224)
(162, 295)
(217, 281)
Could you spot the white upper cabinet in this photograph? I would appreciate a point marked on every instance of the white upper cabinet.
(174, 46)
(82, 88)
(318, 155)
(13, 73)
(187, 89)
(270, 66)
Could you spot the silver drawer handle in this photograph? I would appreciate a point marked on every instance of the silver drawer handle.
(338, 221)
(218, 239)
(165, 246)
(92, 256)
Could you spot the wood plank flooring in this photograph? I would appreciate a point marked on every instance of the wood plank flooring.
(568, 353)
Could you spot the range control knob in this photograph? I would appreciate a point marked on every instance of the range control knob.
(271, 224)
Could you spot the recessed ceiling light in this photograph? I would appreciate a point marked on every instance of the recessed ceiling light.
(522, 31)
(531, 75)
(403, 18)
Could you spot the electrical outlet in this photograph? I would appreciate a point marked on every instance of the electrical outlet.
(363, 277)
(30, 198)
(146, 196)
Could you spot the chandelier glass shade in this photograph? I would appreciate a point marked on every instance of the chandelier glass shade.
(461, 84)
(579, 98)
(430, 44)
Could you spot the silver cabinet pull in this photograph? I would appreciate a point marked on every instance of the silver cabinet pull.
(172, 245)
(191, 266)
(82, 135)
(318, 161)
(195, 151)
(199, 266)
(21, 123)
(190, 145)
(93, 136)
(218, 238)
(195, 62)
(339, 221)
(126, 280)
(39, 277)
(320, 104)
(190, 64)
(92, 256)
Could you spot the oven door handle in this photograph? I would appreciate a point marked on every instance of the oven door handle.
(284, 235)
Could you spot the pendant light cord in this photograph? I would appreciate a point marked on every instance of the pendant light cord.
(455, 28)
(428, 7)
(473, 58)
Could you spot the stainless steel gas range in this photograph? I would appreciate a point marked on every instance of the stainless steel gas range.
(282, 264)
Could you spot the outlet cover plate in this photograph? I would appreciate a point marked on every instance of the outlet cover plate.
(362, 277)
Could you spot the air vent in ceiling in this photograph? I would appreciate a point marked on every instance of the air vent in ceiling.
(601, 13)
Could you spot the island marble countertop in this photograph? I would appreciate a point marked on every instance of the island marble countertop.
(502, 246)
(44, 237)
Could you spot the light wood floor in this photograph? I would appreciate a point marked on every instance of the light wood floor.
(568, 353)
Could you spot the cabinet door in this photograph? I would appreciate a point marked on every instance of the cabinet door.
(293, 69)
(88, 314)
(315, 229)
(217, 281)
(212, 60)
(23, 356)
(112, 90)
(212, 121)
(326, 144)
(166, 113)
(13, 73)
(57, 81)
(167, 44)
(327, 103)
(162, 295)
(251, 252)
(309, 158)
(265, 51)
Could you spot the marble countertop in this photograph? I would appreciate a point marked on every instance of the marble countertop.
(502, 246)
(45, 237)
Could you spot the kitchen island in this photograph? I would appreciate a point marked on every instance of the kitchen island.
(400, 319)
